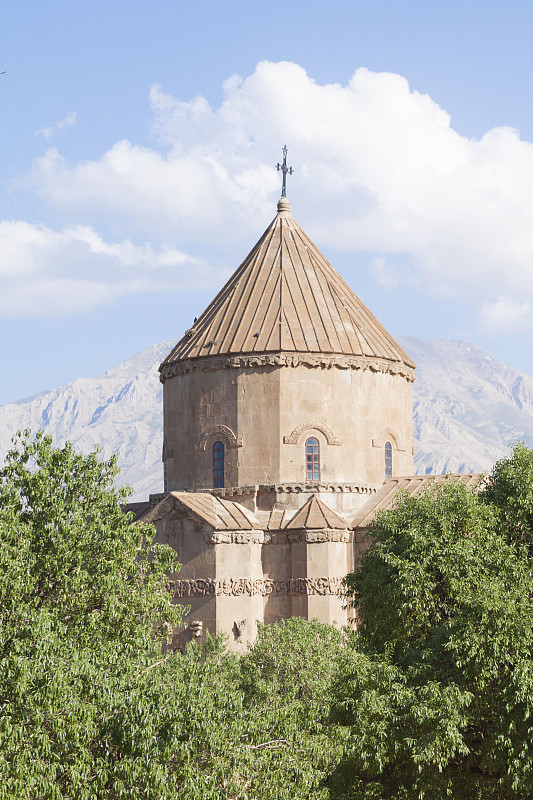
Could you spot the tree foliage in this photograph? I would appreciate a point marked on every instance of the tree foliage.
(509, 489)
(83, 613)
(91, 708)
(431, 698)
(255, 726)
(438, 696)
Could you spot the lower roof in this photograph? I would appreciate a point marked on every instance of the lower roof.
(226, 515)
(413, 485)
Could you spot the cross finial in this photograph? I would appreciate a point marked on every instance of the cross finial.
(284, 169)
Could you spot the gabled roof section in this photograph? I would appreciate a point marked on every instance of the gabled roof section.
(277, 519)
(414, 485)
(138, 510)
(316, 515)
(219, 513)
(286, 297)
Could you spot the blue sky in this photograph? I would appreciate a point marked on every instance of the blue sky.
(138, 144)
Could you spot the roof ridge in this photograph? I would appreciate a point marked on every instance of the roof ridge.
(329, 517)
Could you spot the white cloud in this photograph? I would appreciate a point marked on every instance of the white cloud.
(67, 122)
(378, 168)
(46, 272)
(385, 273)
(505, 315)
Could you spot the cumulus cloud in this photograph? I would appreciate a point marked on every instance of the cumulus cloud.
(67, 122)
(379, 168)
(47, 272)
(385, 273)
(505, 315)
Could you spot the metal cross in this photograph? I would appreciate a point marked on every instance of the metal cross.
(285, 169)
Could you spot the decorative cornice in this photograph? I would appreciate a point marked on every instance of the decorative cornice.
(315, 488)
(218, 430)
(233, 491)
(278, 537)
(248, 587)
(301, 487)
(294, 437)
(269, 360)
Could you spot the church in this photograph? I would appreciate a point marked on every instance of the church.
(288, 422)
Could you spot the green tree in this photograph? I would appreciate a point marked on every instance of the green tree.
(90, 705)
(510, 489)
(438, 693)
(253, 727)
(432, 698)
(286, 678)
(84, 613)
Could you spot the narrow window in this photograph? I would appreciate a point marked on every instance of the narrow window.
(388, 460)
(312, 459)
(218, 465)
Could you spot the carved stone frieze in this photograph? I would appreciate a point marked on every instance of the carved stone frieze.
(318, 361)
(234, 537)
(327, 536)
(310, 537)
(294, 437)
(278, 537)
(248, 587)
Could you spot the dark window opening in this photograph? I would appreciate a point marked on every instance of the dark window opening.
(218, 465)
(388, 460)
(312, 460)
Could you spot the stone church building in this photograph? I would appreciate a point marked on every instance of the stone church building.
(287, 422)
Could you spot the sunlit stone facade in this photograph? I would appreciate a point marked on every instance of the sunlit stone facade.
(284, 406)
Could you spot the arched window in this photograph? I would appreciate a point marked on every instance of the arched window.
(312, 459)
(388, 460)
(218, 465)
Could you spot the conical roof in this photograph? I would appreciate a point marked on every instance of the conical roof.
(287, 298)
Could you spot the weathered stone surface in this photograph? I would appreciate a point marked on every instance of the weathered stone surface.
(237, 587)
(286, 352)
(271, 415)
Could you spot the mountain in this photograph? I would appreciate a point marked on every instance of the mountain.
(121, 411)
(468, 408)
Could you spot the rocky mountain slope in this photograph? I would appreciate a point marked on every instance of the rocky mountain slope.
(468, 407)
(121, 411)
